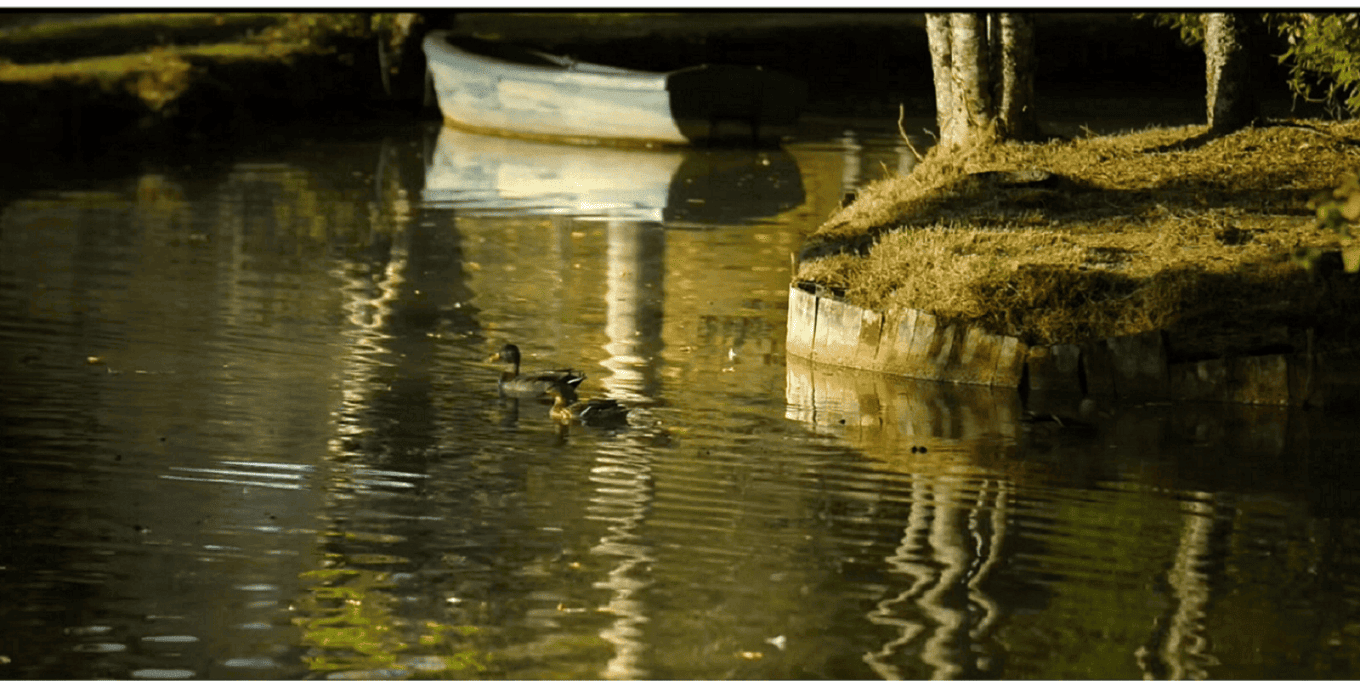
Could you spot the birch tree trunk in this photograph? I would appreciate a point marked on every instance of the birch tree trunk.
(972, 71)
(984, 83)
(1016, 112)
(1231, 101)
(949, 114)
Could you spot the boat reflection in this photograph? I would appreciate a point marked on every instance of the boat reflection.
(487, 175)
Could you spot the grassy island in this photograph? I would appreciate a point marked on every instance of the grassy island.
(1070, 240)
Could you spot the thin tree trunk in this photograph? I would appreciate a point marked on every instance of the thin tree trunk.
(947, 109)
(1016, 112)
(972, 72)
(984, 86)
(1231, 101)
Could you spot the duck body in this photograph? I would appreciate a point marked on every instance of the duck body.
(535, 384)
(567, 408)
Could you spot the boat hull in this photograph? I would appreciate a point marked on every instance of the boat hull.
(540, 96)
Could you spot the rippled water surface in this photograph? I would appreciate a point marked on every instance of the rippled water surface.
(249, 431)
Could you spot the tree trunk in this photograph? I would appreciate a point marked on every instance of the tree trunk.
(1231, 98)
(984, 84)
(972, 68)
(949, 114)
(1016, 111)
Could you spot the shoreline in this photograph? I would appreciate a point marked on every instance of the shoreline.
(1152, 265)
(1058, 378)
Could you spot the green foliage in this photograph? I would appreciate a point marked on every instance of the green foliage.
(324, 27)
(1324, 54)
(1189, 24)
(1339, 211)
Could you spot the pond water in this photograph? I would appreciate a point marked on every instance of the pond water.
(250, 432)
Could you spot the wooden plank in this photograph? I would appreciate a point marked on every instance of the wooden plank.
(894, 345)
(947, 353)
(1245, 380)
(1010, 362)
(1198, 381)
(837, 333)
(870, 333)
(915, 344)
(1261, 380)
(1054, 369)
(1138, 362)
(802, 322)
(1097, 369)
(977, 357)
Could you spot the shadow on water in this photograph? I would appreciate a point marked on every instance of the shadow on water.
(249, 432)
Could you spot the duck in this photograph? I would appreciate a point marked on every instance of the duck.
(1055, 423)
(514, 384)
(567, 408)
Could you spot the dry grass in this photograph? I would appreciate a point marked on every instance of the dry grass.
(1156, 229)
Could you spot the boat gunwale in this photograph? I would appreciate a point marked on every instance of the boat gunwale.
(440, 49)
(583, 140)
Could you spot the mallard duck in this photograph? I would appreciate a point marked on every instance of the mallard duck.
(567, 408)
(535, 384)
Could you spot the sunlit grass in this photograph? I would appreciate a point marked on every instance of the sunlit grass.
(130, 21)
(158, 70)
(1146, 230)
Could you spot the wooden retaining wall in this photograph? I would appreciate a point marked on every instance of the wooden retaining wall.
(918, 345)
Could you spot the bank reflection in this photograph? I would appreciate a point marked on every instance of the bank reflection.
(956, 525)
(213, 299)
(402, 289)
(998, 504)
(890, 416)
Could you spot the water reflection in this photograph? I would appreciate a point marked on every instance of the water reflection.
(622, 501)
(981, 514)
(636, 298)
(248, 433)
(958, 506)
(487, 175)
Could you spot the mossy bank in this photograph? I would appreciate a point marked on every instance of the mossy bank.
(100, 84)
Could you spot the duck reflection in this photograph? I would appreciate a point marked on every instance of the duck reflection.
(481, 174)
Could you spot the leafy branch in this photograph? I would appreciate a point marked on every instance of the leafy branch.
(1339, 211)
(1323, 51)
